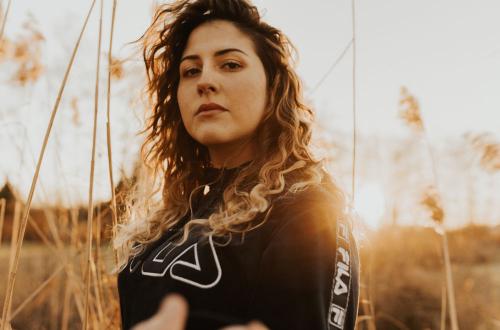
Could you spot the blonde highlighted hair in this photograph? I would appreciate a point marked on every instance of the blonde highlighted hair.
(175, 162)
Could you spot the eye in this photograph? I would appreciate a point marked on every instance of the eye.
(189, 72)
(231, 65)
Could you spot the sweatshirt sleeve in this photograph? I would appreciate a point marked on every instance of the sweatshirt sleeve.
(308, 275)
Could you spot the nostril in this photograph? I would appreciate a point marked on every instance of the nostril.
(202, 89)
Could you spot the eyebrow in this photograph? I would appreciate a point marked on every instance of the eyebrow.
(217, 53)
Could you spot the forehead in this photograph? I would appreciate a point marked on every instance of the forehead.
(215, 35)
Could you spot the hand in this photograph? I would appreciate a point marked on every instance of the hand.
(254, 325)
(172, 315)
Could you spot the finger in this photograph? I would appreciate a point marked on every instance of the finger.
(170, 316)
(256, 325)
(149, 324)
(173, 311)
(154, 323)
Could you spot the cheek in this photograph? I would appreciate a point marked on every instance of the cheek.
(251, 96)
(183, 107)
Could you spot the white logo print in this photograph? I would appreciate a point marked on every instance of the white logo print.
(342, 270)
(337, 317)
(342, 278)
(186, 266)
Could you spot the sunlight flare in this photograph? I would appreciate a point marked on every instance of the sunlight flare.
(370, 204)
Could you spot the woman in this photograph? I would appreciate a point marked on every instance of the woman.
(249, 226)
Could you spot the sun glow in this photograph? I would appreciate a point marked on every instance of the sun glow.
(370, 204)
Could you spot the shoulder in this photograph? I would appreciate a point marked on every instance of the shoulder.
(316, 208)
(313, 194)
(324, 197)
(325, 193)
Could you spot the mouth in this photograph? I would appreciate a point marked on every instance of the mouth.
(210, 107)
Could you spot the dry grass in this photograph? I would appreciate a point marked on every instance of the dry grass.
(410, 112)
(487, 150)
(15, 260)
(58, 304)
(406, 272)
(403, 269)
(405, 265)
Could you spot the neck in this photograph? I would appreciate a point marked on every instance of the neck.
(229, 156)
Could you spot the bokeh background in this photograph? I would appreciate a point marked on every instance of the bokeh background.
(427, 150)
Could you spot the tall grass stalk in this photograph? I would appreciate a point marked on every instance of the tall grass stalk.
(36, 292)
(366, 309)
(12, 272)
(412, 115)
(74, 286)
(368, 306)
(98, 260)
(15, 233)
(443, 305)
(43, 237)
(66, 305)
(394, 321)
(91, 179)
(98, 298)
(440, 229)
(73, 282)
(13, 243)
(54, 229)
(354, 119)
(368, 316)
(364, 319)
(3, 205)
(58, 251)
(108, 128)
(4, 20)
(449, 283)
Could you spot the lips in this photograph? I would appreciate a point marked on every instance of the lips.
(210, 106)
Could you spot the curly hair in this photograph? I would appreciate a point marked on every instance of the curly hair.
(284, 165)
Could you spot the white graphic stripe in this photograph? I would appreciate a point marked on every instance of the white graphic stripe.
(197, 267)
(341, 290)
(177, 261)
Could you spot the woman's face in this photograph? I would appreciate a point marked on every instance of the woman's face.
(219, 65)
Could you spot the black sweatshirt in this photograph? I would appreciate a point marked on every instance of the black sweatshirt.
(299, 270)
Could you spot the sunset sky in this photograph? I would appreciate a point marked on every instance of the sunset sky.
(447, 53)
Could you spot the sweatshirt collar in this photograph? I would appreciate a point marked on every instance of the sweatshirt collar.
(214, 175)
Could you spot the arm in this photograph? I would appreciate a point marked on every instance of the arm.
(299, 285)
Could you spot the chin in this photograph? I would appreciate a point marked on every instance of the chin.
(212, 139)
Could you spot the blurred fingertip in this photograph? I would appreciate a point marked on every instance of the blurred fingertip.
(256, 325)
(175, 297)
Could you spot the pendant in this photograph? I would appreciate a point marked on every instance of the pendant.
(206, 189)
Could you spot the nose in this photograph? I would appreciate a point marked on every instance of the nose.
(206, 84)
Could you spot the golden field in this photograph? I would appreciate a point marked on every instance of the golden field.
(402, 271)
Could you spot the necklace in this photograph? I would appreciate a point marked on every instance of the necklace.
(206, 189)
